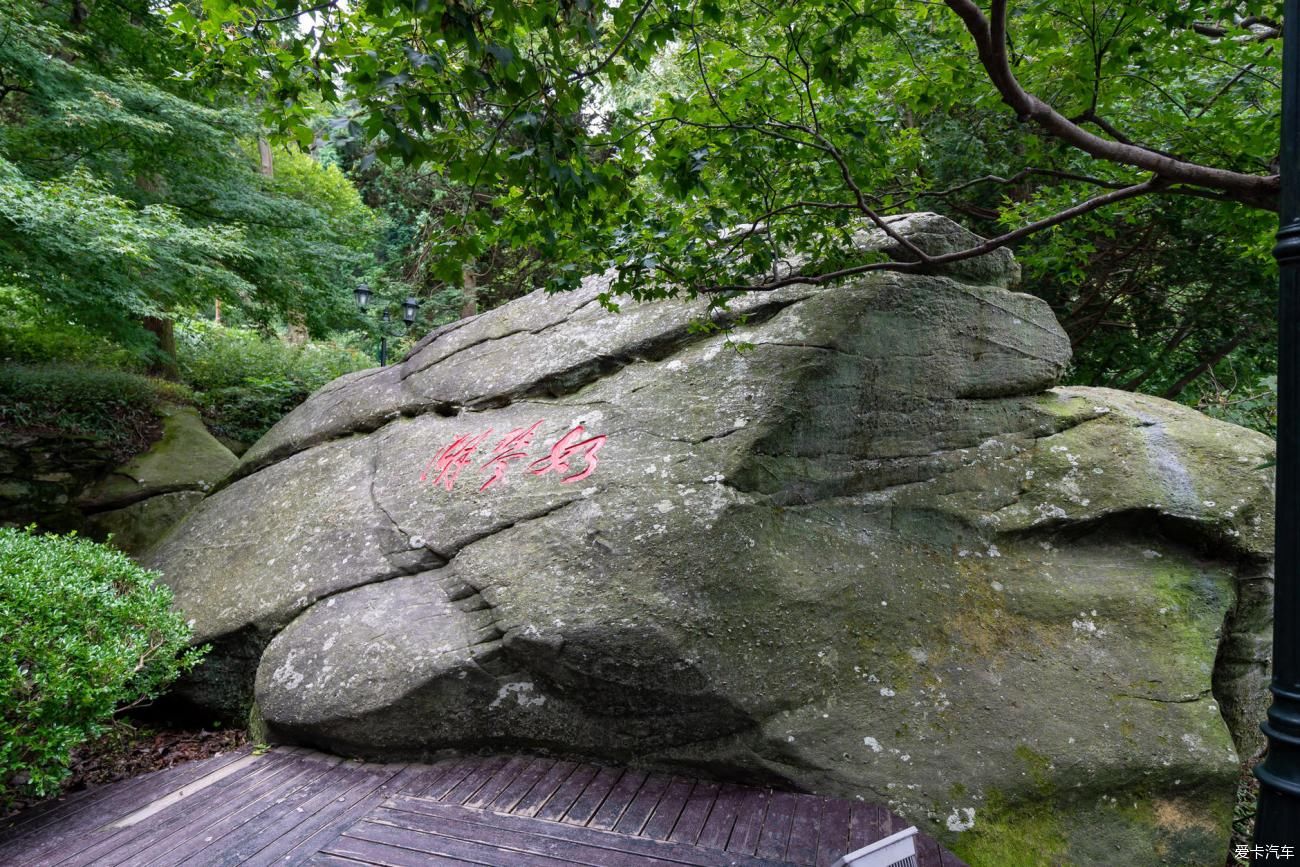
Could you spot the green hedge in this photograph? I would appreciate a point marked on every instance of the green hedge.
(84, 632)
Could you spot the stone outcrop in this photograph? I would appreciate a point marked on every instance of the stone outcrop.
(138, 502)
(876, 554)
(65, 483)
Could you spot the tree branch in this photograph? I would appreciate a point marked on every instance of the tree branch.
(319, 7)
(932, 262)
(617, 49)
(990, 44)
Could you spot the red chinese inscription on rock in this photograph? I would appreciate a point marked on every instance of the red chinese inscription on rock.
(511, 448)
(568, 446)
(452, 459)
(573, 457)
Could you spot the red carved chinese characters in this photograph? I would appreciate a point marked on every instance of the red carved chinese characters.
(569, 445)
(445, 467)
(452, 459)
(509, 449)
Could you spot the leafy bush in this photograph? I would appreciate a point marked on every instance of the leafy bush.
(247, 382)
(1254, 408)
(112, 405)
(30, 334)
(84, 632)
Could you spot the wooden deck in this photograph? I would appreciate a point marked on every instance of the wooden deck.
(295, 806)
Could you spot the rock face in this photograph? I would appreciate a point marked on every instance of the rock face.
(138, 502)
(876, 555)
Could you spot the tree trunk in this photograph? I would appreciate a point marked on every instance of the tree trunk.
(297, 331)
(1180, 336)
(1214, 358)
(165, 365)
(267, 160)
(296, 320)
(470, 290)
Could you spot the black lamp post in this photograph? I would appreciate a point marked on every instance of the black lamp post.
(1277, 820)
(410, 310)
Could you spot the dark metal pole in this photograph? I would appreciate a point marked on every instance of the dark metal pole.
(383, 340)
(1277, 821)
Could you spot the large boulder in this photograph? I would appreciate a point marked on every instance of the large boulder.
(138, 502)
(875, 554)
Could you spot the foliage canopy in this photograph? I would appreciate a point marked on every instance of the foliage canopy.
(704, 146)
(122, 197)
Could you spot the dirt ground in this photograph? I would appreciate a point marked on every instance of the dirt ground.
(127, 751)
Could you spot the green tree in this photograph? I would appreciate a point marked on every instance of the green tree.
(123, 198)
(799, 123)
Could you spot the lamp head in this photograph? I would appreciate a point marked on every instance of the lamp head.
(410, 309)
(362, 293)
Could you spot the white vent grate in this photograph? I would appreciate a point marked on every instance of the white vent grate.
(897, 850)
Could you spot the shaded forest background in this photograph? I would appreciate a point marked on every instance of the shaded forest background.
(178, 222)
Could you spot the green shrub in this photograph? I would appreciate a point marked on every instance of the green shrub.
(28, 335)
(114, 406)
(245, 412)
(84, 632)
(247, 382)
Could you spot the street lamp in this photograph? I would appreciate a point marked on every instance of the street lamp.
(362, 294)
(410, 310)
(1277, 819)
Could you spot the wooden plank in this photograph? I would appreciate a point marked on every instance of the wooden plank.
(109, 844)
(661, 821)
(776, 826)
(698, 804)
(521, 785)
(193, 829)
(516, 850)
(749, 821)
(354, 805)
(722, 817)
(69, 804)
(53, 843)
(237, 846)
(322, 860)
(869, 823)
(474, 781)
(77, 815)
(432, 817)
(618, 799)
(541, 792)
(370, 852)
(643, 804)
(450, 778)
(497, 783)
(927, 852)
(567, 793)
(805, 830)
(330, 816)
(593, 796)
(186, 822)
(834, 839)
(302, 819)
(425, 776)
